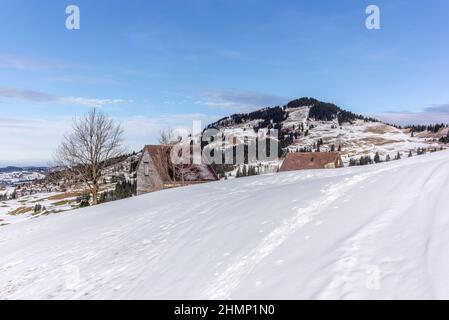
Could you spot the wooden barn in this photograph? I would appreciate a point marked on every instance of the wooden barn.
(156, 172)
(311, 160)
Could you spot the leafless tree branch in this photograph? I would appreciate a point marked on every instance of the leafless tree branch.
(94, 139)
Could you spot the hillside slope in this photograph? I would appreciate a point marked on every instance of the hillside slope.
(376, 231)
(304, 122)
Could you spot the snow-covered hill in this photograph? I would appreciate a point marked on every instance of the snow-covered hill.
(376, 231)
(16, 177)
(358, 137)
(353, 135)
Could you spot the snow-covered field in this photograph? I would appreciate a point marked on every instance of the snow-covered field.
(21, 209)
(360, 137)
(19, 177)
(371, 232)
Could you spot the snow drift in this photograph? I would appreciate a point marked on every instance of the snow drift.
(374, 232)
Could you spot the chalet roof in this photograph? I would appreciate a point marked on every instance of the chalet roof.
(308, 160)
(160, 155)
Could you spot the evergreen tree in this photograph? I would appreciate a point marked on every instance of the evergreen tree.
(84, 201)
(38, 208)
(377, 157)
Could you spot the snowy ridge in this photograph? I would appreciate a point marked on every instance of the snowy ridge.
(355, 138)
(371, 232)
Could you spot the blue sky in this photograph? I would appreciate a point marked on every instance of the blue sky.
(158, 64)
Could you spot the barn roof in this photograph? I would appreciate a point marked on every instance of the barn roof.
(160, 154)
(308, 160)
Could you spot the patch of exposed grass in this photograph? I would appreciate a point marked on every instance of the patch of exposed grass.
(54, 211)
(378, 141)
(65, 195)
(61, 203)
(379, 129)
(38, 200)
(20, 210)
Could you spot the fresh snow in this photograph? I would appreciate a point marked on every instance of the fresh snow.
(359, 137)
(29, 201)
(370, 232)
(16, 177)
(356, 139)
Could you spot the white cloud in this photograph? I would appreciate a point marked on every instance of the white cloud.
(232, 55)
(28, 95)
(435, 113)
(35, 96)
(141, 130)
(239, 101)
(91, 102)
(25, 63)
(34, 141)
(86, 80)
(30, 141)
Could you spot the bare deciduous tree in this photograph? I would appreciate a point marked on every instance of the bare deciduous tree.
(168, 138)
(94, 140)
(164, 137)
